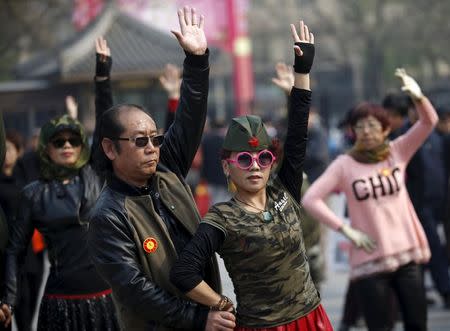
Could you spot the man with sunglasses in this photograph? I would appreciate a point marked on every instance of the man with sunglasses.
(146, 213)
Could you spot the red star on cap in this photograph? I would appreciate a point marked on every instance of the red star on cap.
(253, 142)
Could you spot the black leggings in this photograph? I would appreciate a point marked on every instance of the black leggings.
(374, 295)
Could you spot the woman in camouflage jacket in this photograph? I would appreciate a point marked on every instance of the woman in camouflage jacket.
(258, 232)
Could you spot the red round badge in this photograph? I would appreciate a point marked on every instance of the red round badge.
(150, 245)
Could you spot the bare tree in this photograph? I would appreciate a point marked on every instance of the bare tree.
(28, 26)
(380, 35)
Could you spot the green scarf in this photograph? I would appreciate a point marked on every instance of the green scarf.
(50, 170)
(378, 154)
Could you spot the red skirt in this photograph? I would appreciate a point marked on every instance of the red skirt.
(317, 320)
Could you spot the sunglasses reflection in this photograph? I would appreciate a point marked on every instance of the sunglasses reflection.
(245, 160)
(73, 141)
(143, 141)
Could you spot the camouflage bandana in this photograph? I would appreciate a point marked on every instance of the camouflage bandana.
(246, 133)
(50, 170)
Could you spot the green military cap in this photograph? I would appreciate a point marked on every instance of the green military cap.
(246, 133)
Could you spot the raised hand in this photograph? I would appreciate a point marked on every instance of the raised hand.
(171, 80)
(410, 86)
(72, 107)
(192, 37)
(103, 59)
(285, 77)
(101, 47)
(303, 47)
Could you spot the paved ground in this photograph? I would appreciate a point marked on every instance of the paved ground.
(333, 293)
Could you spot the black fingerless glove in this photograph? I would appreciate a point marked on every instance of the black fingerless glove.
(102, 65)
(304, 63)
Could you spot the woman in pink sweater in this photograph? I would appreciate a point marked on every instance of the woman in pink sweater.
(389, 242)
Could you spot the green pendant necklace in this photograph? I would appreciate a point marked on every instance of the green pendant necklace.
(267, 215)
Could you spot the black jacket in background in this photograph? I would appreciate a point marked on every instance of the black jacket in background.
(427, 174)
(27, 168)
(60, 213)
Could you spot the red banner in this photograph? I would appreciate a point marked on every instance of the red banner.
(226, 27)
(84, 11)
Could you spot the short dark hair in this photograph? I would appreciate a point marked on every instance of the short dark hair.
(109, 126)
(366, 109)
(345, 121)
(397, 103)
(15, 138)
(443, 111)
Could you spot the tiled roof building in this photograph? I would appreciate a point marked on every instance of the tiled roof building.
(139, 54)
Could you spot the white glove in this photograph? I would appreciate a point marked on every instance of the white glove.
(358, 238)
(410, 86)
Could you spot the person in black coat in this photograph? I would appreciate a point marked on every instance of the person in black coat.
(427, 177)
(3, 227)
(58, 204)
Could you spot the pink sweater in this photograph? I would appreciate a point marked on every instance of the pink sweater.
(377, 198)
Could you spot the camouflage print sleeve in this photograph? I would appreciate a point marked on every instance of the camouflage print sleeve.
(216, 218)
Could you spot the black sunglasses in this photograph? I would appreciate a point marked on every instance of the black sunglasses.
(60, 142)
(142, 141)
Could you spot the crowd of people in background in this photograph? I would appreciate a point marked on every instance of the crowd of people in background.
(131, 222)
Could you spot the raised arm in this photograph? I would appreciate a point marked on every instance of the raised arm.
(72, 107)
(103, 92)
(284, 77)
(183, 137)
(291, 169)
(304, 55)
(170, 81)
(410, 142)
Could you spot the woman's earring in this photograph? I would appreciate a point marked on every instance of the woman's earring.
(230, 185)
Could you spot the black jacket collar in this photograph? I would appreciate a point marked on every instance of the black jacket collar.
(117, 184)
(120, 186)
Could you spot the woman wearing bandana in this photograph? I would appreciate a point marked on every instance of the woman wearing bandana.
(258, 231)
(57, 204)
(389, 244)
